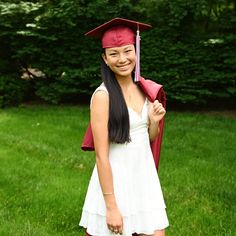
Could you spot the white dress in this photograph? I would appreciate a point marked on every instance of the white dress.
(136, 185)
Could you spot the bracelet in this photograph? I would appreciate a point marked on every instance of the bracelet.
(110, 193)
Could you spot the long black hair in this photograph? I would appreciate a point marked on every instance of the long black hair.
(118, 124)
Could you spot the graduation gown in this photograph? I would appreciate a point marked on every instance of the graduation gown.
(153, 91)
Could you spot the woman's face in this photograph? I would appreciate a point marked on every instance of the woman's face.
(121, 60)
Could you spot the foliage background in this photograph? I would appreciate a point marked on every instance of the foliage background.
(190, 49)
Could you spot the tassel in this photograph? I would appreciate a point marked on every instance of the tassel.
(137, 67)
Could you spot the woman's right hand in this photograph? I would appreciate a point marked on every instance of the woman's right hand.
(114, 221)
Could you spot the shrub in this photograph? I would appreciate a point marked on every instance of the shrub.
(13, 90)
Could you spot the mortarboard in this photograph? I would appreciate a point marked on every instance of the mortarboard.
(120, 32)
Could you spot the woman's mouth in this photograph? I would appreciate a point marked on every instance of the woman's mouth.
(123, 67)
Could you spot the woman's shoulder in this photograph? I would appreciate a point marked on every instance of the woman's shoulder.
(102, 88)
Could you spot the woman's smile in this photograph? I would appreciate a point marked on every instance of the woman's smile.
(124, 67)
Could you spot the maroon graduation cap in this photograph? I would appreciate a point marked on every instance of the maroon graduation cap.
(120, 32)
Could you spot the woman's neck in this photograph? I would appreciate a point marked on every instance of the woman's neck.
(125, 82)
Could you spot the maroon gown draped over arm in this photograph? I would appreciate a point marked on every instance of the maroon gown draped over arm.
(153, 91)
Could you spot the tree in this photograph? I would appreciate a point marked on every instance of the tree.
(190, 49)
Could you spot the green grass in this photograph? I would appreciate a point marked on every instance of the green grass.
(44, 174)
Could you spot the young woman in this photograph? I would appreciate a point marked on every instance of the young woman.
(124, 194)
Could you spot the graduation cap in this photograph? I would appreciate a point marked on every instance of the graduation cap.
(120, 32)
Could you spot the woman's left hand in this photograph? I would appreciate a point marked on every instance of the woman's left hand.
(156, 111)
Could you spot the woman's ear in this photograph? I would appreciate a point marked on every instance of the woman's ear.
(104, 58)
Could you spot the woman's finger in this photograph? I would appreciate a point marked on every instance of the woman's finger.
(159, 109)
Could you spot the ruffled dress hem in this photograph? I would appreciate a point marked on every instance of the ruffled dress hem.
(95, 224)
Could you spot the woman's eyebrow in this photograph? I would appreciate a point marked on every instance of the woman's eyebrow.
(127, 48)
(111, 50)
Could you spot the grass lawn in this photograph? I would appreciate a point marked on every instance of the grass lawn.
(44, 174)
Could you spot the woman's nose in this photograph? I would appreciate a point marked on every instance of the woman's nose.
(122, 58)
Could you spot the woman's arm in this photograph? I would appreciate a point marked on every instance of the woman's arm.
(99, 125)
(153, 130)
(156, 113)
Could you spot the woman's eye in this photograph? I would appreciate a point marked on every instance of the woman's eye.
(113, 54)
(127, 51)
